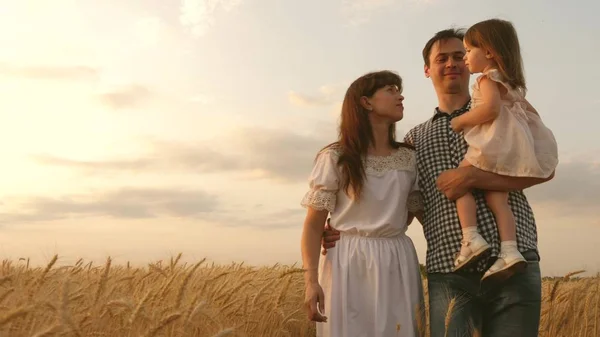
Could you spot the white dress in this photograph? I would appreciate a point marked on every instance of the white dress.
(516, 143)
(371, 278)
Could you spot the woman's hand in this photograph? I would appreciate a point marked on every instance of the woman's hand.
(314, 302)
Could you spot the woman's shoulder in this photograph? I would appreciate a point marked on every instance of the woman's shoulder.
(408, 153)
(332, 151)
(407, 146)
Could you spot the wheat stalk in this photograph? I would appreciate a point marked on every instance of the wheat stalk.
(162, 324)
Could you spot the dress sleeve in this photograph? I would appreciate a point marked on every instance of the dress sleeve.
(323, 183)
(415, 197)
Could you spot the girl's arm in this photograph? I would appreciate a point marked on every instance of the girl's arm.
(483, 113)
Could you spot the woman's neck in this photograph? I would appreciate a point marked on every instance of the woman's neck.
(382, 146)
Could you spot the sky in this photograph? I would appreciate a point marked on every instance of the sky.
(139, 129)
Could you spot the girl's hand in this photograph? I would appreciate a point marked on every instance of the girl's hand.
(314, 302)
(456, 125)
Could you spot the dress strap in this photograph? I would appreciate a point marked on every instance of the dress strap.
(518, 107)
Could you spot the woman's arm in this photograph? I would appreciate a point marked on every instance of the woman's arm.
(412, 215)
(314, 225)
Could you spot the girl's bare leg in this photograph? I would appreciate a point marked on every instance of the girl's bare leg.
(473, 244)
(505, 220)
(466, 207)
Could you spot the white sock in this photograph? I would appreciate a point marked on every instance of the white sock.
(508, 246)
(469, 232)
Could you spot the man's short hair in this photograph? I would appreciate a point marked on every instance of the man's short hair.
(443, 35)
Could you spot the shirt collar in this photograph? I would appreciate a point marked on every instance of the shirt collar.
(438, 113)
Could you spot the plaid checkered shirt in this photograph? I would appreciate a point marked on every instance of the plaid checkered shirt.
(439, 148)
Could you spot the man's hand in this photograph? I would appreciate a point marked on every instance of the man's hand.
(455, 183)
(330, 236)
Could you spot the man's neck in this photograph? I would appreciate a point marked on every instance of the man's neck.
(449, 103)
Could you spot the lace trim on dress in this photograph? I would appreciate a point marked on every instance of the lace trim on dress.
(401, 159)
(415, 202)
(320, 200)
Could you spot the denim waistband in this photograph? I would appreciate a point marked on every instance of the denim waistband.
(531, 255)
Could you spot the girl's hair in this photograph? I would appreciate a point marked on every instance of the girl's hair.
(499, 38)
(355, 133)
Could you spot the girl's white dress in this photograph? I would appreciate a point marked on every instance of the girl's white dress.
(516, 143)
(371, 278)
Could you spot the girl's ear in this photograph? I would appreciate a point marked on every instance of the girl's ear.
(488, 55)
(364, 101)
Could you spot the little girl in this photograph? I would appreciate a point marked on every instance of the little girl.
(505, 135)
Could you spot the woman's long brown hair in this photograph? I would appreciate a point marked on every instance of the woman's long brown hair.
(355, 133)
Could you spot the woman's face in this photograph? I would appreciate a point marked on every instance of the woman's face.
(386, 104)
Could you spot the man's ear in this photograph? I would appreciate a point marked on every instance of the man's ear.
(364, 101)
(426, 70)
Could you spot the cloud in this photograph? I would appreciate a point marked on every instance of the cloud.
(199, 15)
(148, 30)
(254, 152)
(147, 203)
(258, 219)
(574, 189)
(327, 95)
(202, 99)
(358, 12)
(164, 157)
(125, 97)
(126, 203)
(51, 72)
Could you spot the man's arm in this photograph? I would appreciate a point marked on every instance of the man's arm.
(490, 181)
(457, 182)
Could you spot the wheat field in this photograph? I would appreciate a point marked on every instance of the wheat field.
(179, 299)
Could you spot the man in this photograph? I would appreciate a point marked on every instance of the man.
(512, 307)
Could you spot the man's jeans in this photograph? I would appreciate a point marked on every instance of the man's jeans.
(511, 309)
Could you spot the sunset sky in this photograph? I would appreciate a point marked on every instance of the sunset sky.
(144, 128)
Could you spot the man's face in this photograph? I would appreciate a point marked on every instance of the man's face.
(447, 68)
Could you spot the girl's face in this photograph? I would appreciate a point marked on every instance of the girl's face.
(476, 59)
(385, 104)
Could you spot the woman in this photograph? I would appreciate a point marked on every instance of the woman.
(369, 284)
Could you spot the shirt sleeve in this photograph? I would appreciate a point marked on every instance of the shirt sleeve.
(409, 137)
(323, 183)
